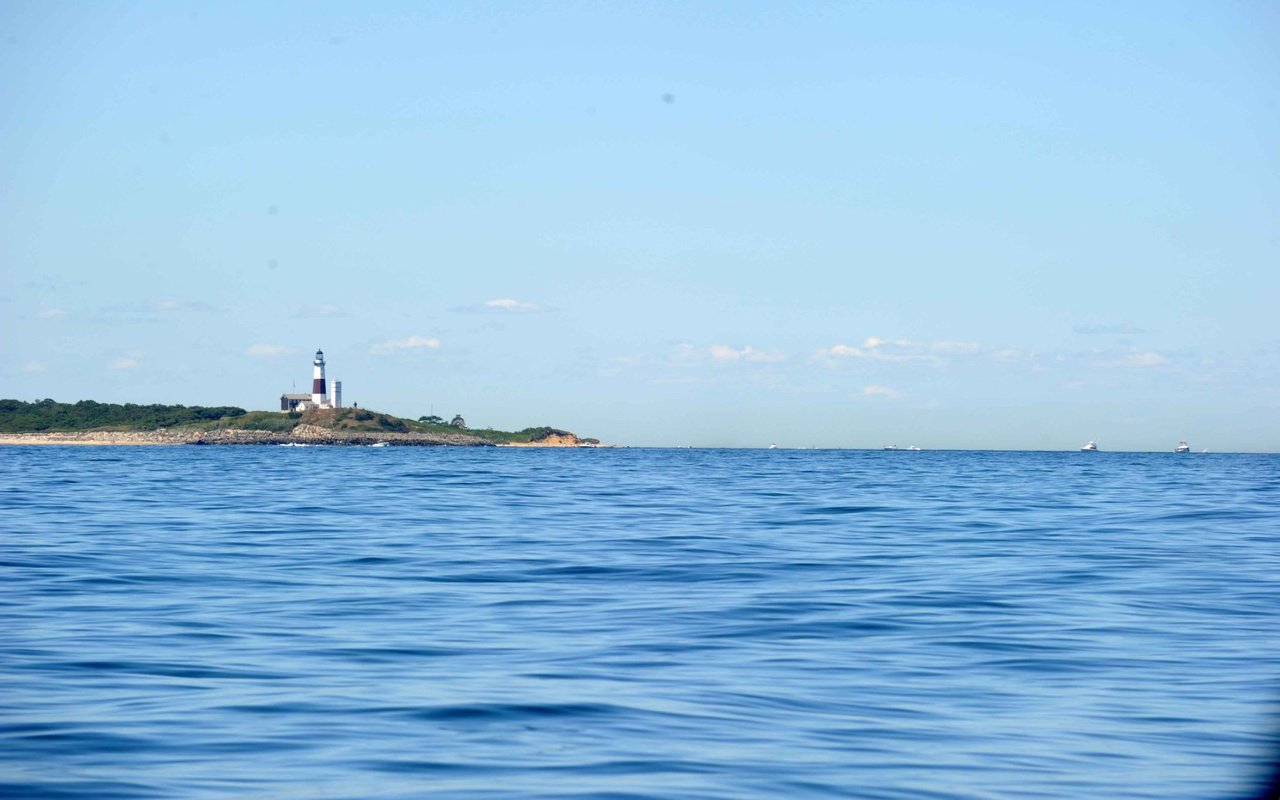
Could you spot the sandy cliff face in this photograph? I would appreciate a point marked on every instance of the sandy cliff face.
(562, 439)
(559, 439)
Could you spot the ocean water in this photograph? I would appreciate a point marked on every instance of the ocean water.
(268, 622)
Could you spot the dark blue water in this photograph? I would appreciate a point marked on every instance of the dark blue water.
(396, 623)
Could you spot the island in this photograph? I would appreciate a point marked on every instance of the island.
(91, 423)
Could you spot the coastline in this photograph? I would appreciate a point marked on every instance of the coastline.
(303, 434)
(47, 422)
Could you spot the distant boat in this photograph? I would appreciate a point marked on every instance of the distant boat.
(773, 447)
(1182, 447)
(1091, 447)
(890, 447)
(913, 447)
(381, 444)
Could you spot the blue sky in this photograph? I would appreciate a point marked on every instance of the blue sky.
(1002, 225)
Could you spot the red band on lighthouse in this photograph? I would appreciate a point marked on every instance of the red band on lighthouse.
(319, 397)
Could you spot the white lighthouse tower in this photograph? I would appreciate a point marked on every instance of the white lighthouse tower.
(319, 393)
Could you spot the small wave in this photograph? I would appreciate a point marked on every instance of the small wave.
(514, 711)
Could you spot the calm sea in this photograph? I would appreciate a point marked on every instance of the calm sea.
(271, 622)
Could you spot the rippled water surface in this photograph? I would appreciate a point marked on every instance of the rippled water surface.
(408, 622)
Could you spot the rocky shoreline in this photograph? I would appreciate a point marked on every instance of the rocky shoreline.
(301, 435)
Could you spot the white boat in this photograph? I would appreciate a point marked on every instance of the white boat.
(890, 447)
(1091, 447)
(914, 448)
(381, 444)
(1182, 447)
(773, 447)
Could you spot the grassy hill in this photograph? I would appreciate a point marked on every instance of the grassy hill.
(344, 419)
(17, 416)
(368, 420)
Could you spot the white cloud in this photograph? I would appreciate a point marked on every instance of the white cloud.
(266, 350)
(876, 349)
(407, 343)
(837, 350)
(35, 366)
(125, 363)
(723, 352)
(891, 350)
(51, 313)
(1148, 359)
(873, 348)
(507, 304)
(881, 391)
(503, 305)
(684, 353)
(1023, 359)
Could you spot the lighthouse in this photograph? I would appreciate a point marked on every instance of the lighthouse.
(319, 397)
(319, 394)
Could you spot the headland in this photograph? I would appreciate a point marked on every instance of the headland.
(47, 422)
